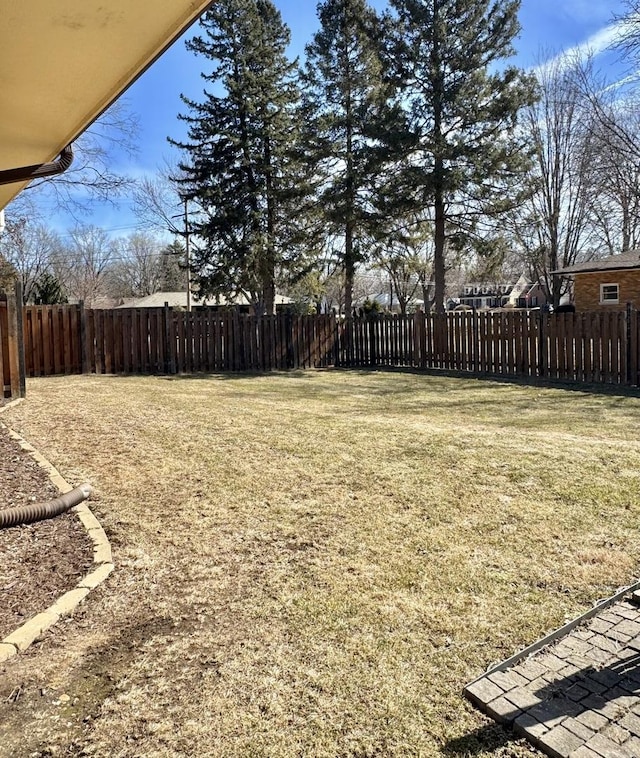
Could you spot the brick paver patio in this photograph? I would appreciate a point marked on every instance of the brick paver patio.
(578, 695)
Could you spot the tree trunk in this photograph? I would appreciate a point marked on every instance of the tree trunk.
(269, 297)
(349, 262)
(349, 269)
(557, 282)
(269, 264)
(439, 241)
(439, 250)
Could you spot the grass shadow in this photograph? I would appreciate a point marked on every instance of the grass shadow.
(610, 390)
(485, 739)
(519, 381)
(231, 376)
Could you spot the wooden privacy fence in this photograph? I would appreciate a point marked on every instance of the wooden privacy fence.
(582, 347)
(67, 339)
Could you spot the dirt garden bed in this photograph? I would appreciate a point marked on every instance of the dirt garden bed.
(38, 562)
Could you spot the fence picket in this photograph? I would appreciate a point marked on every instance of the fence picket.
(633, 346)
(621, 376)
(606, 349)
(116, 338)
(36, 342)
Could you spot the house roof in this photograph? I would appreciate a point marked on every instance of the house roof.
(179, 299)
(383, 299)
(157, 300)
(630, 259)
(63, 62)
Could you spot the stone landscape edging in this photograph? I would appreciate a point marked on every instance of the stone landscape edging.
(103, 565)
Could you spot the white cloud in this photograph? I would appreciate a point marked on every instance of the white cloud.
(622, 83)
(598, 43)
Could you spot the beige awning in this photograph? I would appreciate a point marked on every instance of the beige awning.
(62, 62)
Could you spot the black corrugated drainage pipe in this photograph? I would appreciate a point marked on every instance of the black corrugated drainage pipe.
(39, 171)
(27, 514)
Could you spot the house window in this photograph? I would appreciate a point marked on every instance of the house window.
(609, 293)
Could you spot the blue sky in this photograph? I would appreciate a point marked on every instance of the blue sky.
(548, 26)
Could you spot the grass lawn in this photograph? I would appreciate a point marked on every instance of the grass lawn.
(314, 564)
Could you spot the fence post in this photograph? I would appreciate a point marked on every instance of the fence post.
(22, 371)
(15, 342)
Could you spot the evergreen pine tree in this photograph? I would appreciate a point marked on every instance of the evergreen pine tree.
(463, 156)
(173, 268)
(344, 101)
(48, 290)
(239, 150)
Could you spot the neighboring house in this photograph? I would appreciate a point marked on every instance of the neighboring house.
(522, 294)
(606, 284)
(477, 295)
(99, 302)
(483, 295)
(158, 300)
(534, 297)
(527, 294)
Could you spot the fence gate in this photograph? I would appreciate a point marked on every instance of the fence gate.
(12, 370)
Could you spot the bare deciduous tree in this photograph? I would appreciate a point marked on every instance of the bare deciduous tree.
(29, 248)
(158, 204)
(92, 175)
(553, 229)
(138, 269)
(405, 255)
(84, 263)
(616, 180)
(614, 159)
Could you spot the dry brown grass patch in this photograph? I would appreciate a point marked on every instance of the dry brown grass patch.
(315, 564)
